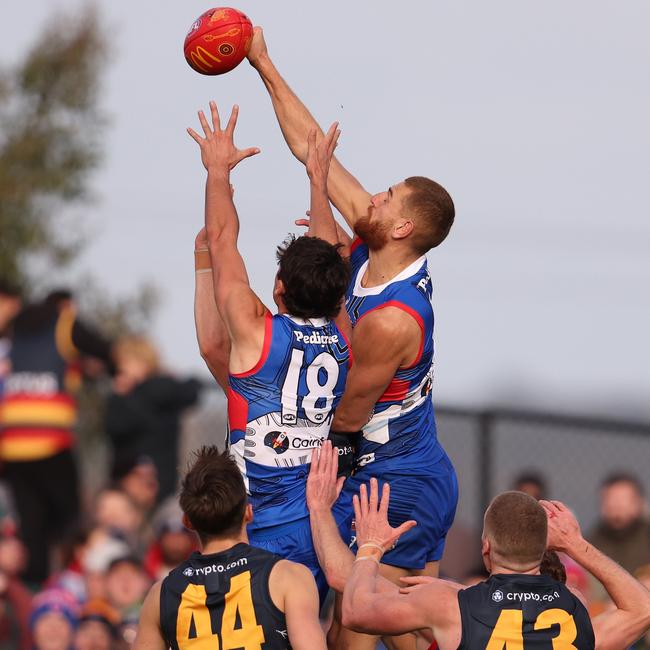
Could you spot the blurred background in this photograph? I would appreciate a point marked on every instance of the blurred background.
(534, 117)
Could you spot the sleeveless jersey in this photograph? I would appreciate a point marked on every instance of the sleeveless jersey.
(223, 601)
(523, 611)
(402, 430)
(38, 412)
(282, 409)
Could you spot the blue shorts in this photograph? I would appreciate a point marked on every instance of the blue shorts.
(293, 542)
(430, 499)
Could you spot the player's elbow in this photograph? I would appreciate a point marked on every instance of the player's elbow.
(354, 614)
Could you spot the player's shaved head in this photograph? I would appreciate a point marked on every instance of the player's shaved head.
(433, 210)
(516, 527)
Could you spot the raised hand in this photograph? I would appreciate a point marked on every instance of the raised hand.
(371, 518)
(323, 487)
(218, 151)
(257, 50)
(563, 527)
(319, 156)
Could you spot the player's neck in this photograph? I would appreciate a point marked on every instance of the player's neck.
(500, 570)
(223, 544)
(386, 264)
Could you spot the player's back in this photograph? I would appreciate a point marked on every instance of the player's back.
(223, 600)
(282, 409)
(528, 612)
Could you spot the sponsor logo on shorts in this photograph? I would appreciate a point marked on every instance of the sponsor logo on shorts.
(215, 568)
(315, 337)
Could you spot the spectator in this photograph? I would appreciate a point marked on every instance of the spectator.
(37, 419)
(54, 619)
(97, 628)
(126, 586)
(143, 413)
(116, 513)
(623, 532)
(138, 478)
(173, 545)
(10, 303)
(15, 599)
(531, 483)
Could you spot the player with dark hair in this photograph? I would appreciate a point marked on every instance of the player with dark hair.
(517, 607)
(387, 403)
(230, 595)
(286, 372)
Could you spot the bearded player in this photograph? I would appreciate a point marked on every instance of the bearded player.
(286, 372)
(387, 395)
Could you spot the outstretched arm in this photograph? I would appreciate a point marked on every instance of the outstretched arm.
(211, 332)
(241, 310)
(366, 606)
(622, 626)
(296, 122)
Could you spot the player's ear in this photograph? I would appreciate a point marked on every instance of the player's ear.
(402, 228)
(187, 523)
(485, 552)
(248, 514)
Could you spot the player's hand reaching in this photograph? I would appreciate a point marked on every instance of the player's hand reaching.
(371, 518)
(218, 150)
(323, 488)
(319, 156)
(563, 527)
(257, 50)
(413, 583)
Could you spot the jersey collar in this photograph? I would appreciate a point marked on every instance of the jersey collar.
(409, 271)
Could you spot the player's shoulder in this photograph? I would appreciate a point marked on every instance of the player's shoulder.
(291, 572)
(390, 319)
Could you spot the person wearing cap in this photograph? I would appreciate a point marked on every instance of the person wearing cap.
(54, 619)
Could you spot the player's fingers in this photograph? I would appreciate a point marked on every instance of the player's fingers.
(416, 580)
(232, 120)
(326, 457)
(204, 124)
(560, 506)
(247, 153)
(216, 122)
(315, 460)
(356, 506)
(550, 507)
(339, 485)
(363, 499)
(302, 222)
(385, 499)
(195, 136)
(374, 494)
(405, 527)
(334, 468)
(333, 143)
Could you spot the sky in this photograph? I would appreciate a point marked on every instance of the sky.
(533, 115)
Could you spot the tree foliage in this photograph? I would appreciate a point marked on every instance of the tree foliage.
(50, 140)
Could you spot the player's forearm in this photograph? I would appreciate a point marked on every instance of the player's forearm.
(334, 556)
(353, 412)
(221, 220)
(211, 334)
(293, 116)
(360, 593)
(626, 592)
(322, 223)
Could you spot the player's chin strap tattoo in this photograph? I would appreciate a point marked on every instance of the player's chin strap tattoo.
(346, 443)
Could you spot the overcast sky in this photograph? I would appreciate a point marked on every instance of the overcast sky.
(533, 115)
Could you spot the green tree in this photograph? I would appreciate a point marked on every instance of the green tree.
(50, 140)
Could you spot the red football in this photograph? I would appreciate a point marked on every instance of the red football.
(218, 40)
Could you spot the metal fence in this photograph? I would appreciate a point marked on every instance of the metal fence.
(490, 448)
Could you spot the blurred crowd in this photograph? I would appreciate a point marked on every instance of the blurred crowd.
(75, 567)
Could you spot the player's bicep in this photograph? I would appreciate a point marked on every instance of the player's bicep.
(149, 635)
(301, 610)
